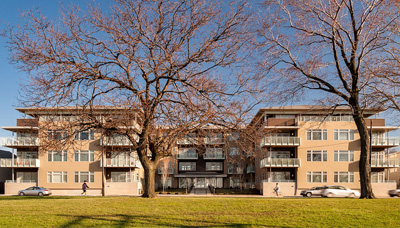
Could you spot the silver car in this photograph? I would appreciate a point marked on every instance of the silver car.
(35, 191)
(339, 191)
(395, 192)
(315, 191)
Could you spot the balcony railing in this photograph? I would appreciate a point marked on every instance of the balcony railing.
(8, 162)
(115, 141)
(118, 162)
(250, 169)
(214, 155)
(216, 140)
(280, 162)
(21, 181)
(280, 141)
(392, 141)
(237, 170)
(385, 163)
(187, 141)
(170, 171)
(187, 156)
(279, 181)
(19, 141)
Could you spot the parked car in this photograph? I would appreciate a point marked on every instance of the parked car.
(339, 191)
(395, 192)
(315, 191)
(35, 191)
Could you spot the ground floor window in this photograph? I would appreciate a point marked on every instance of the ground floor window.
(167, 182)
(80, 177)
(214, 166)
(279, 176)
(378, 177)
(121, 177)
(316, 177)
(201, 182)
(343, 177)
(57, 177)
(26, 177)
(234, 182)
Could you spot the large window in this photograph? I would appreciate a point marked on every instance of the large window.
(57, 134)
(278, 154)
(84, 155)
(214, 166)
(57, 177)
(317, 155)
(233, 151)
(84, 135)
(26, 177)
(343, 177)
(377, 177)
(343, 134)
(317, 134)
(279, 177)
(343, 155)
(57, 156)
(80, 177)
(316, 177)
(120, 177)
(187, 166)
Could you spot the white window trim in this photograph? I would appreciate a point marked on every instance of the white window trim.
(79, 152)
(323, 174)
(338, 174)
(350, 134)
(64, 156)
(64, 177)
(324, 134)
(336, 155)
(322, 152)
(90, 174)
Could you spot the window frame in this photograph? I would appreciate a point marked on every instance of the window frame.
(78, 175)
(348, 132)
(338, 153)
(78, 155)
(187, 164)
(312, 174)
(311, 132)
(337, 175)
(214, 164)
(90, 135)
(50, 156)
(322, 153)
(51, 174)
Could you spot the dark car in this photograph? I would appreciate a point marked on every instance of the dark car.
(35, 191)
(315, 191)
(395, 192)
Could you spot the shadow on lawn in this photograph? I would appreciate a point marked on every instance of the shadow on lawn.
(34, 197)
(121, 220)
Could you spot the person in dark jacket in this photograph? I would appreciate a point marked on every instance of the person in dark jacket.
(84, 187)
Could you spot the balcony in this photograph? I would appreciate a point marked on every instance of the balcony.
(118, 163)
(187, 141)
(235, 170)
(280, 141)
(115, 141)
(19, 163)
(377, 163)
(191, 156)
(170, 171)
(250, 169)
(280, 162)
(214, 140)
(213, 155)
(387, 142)
(19, 141)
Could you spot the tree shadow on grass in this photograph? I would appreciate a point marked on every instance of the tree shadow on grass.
(122, 220)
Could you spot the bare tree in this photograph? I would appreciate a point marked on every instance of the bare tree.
(170, 65)
(164, 167)
(340, 48)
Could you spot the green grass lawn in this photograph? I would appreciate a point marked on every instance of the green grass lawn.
(190, 211)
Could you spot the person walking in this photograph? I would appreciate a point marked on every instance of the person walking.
(84, 187)
(276, 189)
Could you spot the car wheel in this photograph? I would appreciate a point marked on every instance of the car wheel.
(40, 194)
(21, 194)
(329, 195)
(352, 195)
(309, 194)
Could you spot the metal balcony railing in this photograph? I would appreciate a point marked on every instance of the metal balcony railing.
(118, 162)
(215, 140)
(187, 156)
(385, 163)
(21, 181)
(213, 155)
(170, 171)
(250, 169)
(280, 162)
(30, 163)
(392, 141)
(115, 141)
(237, 170)
(19, 141)
(280, 141)
(187, 141)
(278, 181)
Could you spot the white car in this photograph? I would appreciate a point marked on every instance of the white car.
(315, 191)
(395, 192)
(339, 191)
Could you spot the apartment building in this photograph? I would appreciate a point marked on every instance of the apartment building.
(306, 146)
(106, 163)
(211, 157)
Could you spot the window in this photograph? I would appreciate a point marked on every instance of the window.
(214, 153)
(26, 177)
(343, 177)
(57, 156)
(343, 134)
(343, 155)
(187, 153)
(56, 177)
(57, 134)
(84, 135)
(317, 155)
(84, 155)
(214, 166)
(279, 177)
(233, 151)
(187, 166)
(377, 177)
(120, 177)
(80, 177)
(317, 134)
(316, 177)
(278, 154)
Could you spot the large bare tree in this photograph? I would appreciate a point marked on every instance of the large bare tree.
(339, 47)
(171, 65)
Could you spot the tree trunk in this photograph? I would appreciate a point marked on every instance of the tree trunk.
(364, 166)
(149, 177)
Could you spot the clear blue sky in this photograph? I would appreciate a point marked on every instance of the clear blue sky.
(11, 77)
